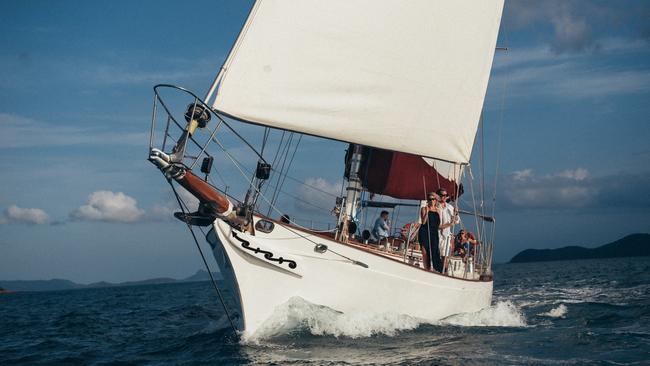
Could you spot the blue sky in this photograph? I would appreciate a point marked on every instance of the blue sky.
(79, 200)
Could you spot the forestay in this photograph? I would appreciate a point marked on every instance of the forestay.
(407, 76)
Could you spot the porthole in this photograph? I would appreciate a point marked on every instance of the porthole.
(264, 226)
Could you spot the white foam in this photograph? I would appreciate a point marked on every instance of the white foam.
(298, 314)
(501, 314)
(558, 312)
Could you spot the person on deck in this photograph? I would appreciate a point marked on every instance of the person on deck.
(465, 243)
(428, 234)
(448, 218)
(381, 228)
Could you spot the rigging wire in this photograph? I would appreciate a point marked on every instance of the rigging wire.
(265, 138)
(283, 157)
(304, 201)
(478, 227)
(272, 186)
(482, 162)
(506, 82)
(225, 184)
(310, 186)
(275, 157)
(205, 262)
(290, 163)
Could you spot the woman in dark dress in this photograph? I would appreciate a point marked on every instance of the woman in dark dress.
(428, 234)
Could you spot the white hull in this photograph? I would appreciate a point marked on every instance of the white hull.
(331, 280)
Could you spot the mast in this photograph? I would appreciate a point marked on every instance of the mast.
(353, 194)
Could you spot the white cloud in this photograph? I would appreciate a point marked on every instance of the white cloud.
(576, 189)
(522, 174)
(571, 31)
(126, 69)
(577, 26)
(571, 34)
(19, 215)
(571, 79)
(602, 82)
(541, 71)
(110, 74)
(109, 206)
(569, 188)
(544, 55)
(575, 174)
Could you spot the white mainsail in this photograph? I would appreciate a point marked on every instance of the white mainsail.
(372, 72)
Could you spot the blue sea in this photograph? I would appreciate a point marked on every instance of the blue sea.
(589, 312)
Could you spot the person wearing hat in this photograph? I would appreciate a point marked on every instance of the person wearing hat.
(448, 218)
(428, 234)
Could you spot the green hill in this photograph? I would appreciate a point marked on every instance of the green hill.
(635, 245)
(59, 284)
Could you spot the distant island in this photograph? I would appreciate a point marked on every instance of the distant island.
(60, 284)
(635, 245)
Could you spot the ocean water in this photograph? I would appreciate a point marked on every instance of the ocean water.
(591, 312)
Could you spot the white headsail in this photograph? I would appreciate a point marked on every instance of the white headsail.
(372, 72)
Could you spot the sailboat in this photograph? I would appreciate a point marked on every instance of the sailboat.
(404, 84)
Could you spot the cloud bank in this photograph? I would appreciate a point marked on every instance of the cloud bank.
(577, 26)
(574, 189)
(535, 72)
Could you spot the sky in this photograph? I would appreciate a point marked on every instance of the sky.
(566, 132)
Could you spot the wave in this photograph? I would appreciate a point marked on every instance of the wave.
(298, 315)
(558, 312)
(610, 292)
(501, 314)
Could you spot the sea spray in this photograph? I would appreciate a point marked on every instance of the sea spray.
(501, 314)
(298, 315)
(558, 312)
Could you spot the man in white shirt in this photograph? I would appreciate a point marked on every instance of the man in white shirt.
(381, 228)
(448, 218)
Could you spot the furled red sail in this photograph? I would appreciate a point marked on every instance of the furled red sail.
(407, 176)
